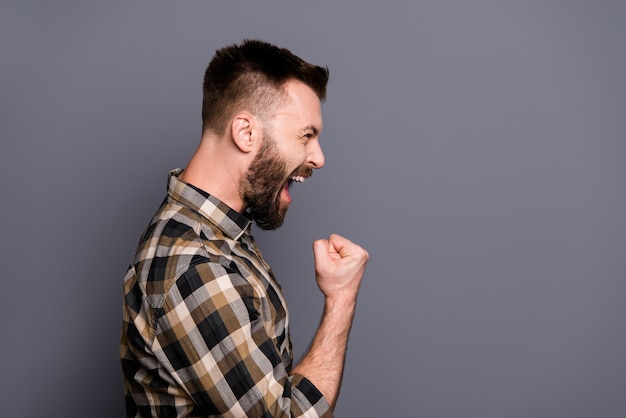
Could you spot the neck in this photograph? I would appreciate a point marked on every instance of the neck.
(217, 169)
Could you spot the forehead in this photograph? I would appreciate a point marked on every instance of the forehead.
(303, 107)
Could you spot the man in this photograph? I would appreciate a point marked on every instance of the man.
(205, 326)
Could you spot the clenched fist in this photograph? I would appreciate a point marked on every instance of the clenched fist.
(339, 266)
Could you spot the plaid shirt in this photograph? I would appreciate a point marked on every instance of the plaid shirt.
(205, 326)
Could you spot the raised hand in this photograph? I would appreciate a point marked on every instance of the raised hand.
(339, 266)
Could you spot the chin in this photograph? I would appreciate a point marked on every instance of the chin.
(270, 223)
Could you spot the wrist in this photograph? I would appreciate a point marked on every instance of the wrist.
(340, 304)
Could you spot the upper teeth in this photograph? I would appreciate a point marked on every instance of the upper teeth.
(299, 179)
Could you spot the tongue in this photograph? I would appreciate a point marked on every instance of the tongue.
(285, 193)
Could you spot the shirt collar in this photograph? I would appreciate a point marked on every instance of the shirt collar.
(231, 222)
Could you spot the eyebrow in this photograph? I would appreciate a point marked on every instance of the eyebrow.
(311, 128)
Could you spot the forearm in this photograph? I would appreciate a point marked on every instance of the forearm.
(323, 364)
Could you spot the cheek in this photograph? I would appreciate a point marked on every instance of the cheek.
(300, 155)
(294, 157)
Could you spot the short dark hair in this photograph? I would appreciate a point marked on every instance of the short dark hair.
(250, 76)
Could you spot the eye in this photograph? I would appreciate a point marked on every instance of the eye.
(308, 133)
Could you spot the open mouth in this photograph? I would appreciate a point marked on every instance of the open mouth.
(288, 183)
(297, 179)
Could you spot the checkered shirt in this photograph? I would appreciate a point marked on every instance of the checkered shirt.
(205, 326)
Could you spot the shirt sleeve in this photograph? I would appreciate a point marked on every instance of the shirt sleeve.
(211, 335)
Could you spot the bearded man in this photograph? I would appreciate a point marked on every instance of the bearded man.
(205, 325)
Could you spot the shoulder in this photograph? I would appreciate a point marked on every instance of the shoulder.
(173, 243)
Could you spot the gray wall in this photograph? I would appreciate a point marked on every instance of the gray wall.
(475, 148)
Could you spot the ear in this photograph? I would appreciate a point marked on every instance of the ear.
(243, 132)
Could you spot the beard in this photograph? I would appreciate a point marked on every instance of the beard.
(261, 187)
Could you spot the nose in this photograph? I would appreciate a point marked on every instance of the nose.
(315, 156)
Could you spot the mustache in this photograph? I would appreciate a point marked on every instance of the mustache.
(303, 171)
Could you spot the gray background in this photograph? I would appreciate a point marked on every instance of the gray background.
(475, 148)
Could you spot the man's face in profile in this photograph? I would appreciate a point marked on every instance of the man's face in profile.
(289, 152)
